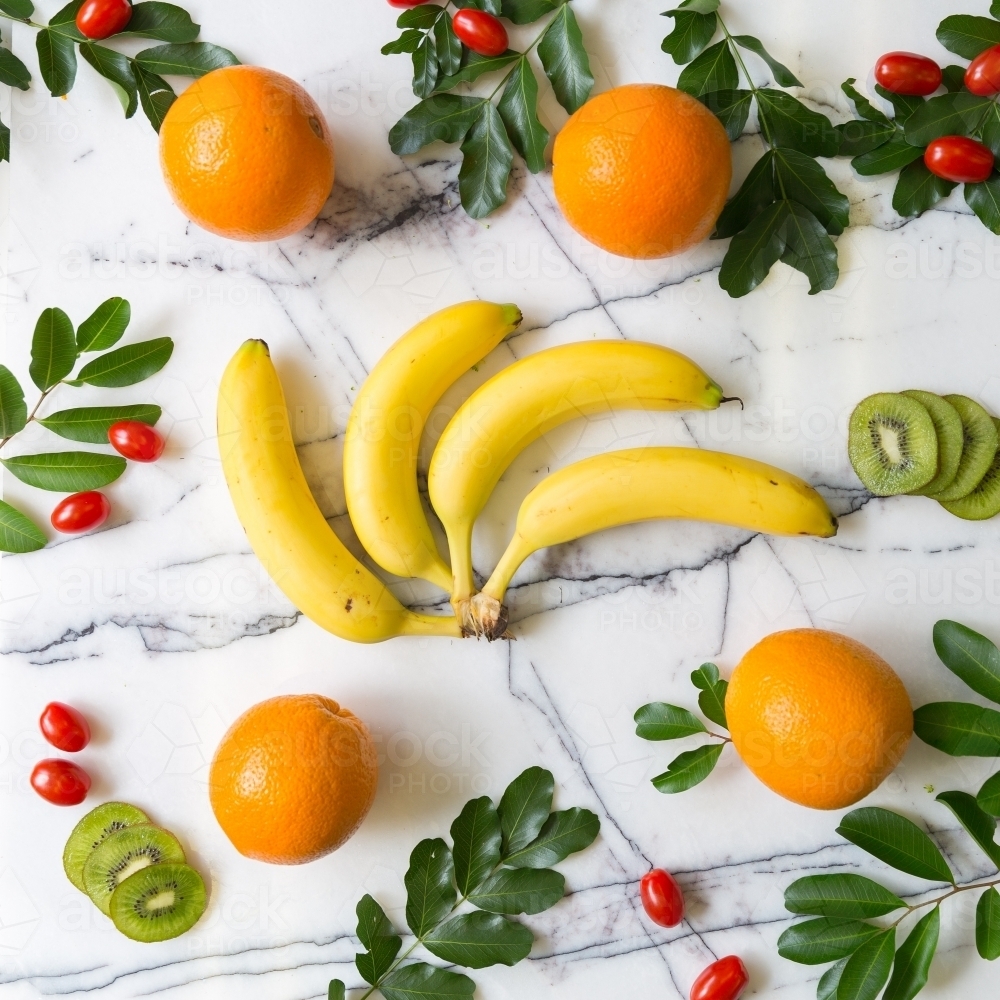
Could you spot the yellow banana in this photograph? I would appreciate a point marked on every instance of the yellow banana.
(530, 398)
(285, 527)
(644, 484)
(383, 433)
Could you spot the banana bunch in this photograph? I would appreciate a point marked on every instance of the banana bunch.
(524, 401)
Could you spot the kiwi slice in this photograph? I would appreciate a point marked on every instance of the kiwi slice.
(978, 451)
(159, 902)
(92, 830)
(950, 435)
(984, 501)
(892, 444)
(123, 854)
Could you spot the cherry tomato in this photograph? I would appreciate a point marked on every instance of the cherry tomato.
(80, 512)
(722, 980)
(909, 74)
(64, 727)
(956, 158)
(136, 440)
(661, 898)
(103, 18)
(481, 31)
(983, 75)
(60, 782)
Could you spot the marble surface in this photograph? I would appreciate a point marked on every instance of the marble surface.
(163, 627)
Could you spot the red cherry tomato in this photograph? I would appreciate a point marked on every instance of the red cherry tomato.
(136, 440)
(722, 980)
(909, 74)
(956, 158)
(983, 75)
(64, 727)
(103, 18)
(481, 31)
(80, 512)
(661, 898)
(60, 782)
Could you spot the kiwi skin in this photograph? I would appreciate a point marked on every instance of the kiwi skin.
(984, 501)
(980, 448)
(92, 830)
(950, 435)
(133, 916)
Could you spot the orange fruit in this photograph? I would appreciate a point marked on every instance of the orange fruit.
(818, 717)
(293, 778)
(246, 154)
(642, 171)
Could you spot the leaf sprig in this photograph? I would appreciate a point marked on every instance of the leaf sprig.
(460, 899)
(55, 350)
(788, 208)
(135, 80)
(489, 130)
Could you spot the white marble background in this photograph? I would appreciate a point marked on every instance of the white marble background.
(163, 629)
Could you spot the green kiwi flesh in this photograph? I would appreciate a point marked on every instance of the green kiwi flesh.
(984, 501)
(124, 853)
(892, 444)
(92, 830)
(950, 435)
(159, 902)
(978, 452)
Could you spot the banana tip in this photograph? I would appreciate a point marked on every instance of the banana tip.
(512, 315)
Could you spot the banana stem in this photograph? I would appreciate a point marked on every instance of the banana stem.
(439, 625)
(510, 562)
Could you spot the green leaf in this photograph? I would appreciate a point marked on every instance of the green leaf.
(816, 942)
(407, 42)
(337, 990)
(524, 808)
(967, 36)
(423, 17)
(953, 77)
(949, 114)
(984, 200)
(4, 143)
(989, 796)
(692, 33)
(989, 130)
(63, 22)
(17, 532)
(715, 69)
(988, 925)
(518, 109)
(476, 836)
(423, 982)
(474, 66)
(490, 6)
(918, 190)
(970, 656)
(755, 194)
(867, 970)
(892, 155)
(186, 59)
(520, 890)
(528, 11)
(804, 181)
(17, 8)
(896, 841)
(712, 700)
(731, 107)
(809, 249)
(563, 833)
(163, 21)
(913, 960)
(66, 471)
(847, 896)
(56, 61)
(826, 988)
(117, 70)
(979, 825)
(444, 118)
(426, 68)
(13, 409)
(478, 940)
(90, 424)
(783, 76)
(688, 769)
(155, 95)
(448, 47)
(565, 60)
(959, 729)
(786, 121)
(857, 138)
(126, 365)
(53, 349)
(13, 72)
(486, 161)
(659, 721)
(382, 944)
(754, 251)
(430, 895)
(903, 106)
(104, 327)
(862, 105)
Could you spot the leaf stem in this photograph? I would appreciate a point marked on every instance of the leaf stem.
(31, 416)
(938, 900)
